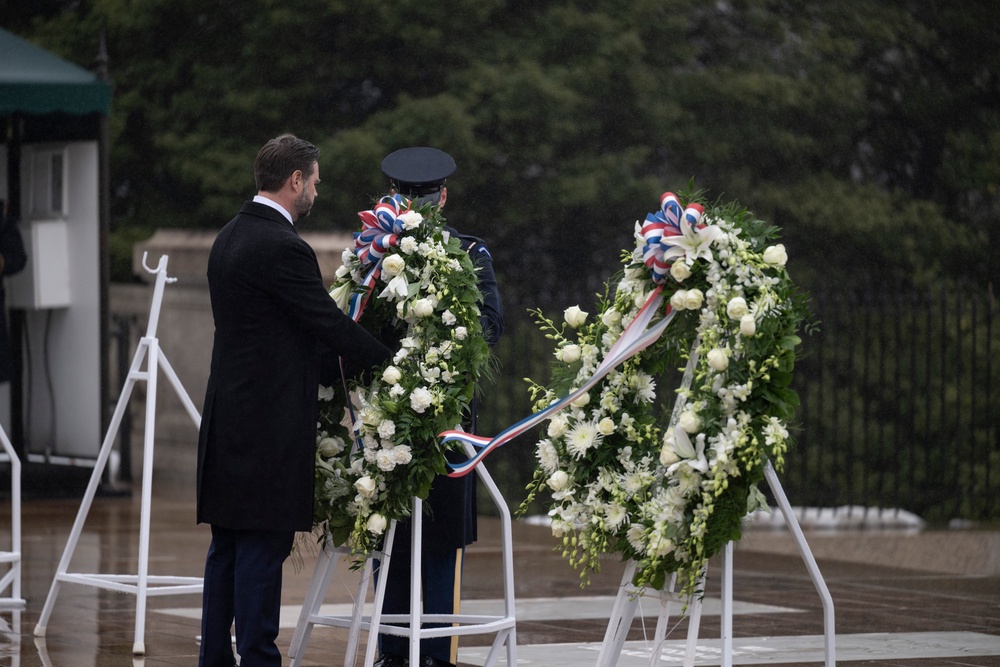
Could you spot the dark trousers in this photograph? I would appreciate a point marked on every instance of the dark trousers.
(440, 586)
(243, 583)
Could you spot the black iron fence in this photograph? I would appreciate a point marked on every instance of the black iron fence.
(899, 406)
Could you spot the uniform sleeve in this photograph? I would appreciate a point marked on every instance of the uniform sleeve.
(492, 306)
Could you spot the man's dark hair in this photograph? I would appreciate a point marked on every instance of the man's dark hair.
(280, 158)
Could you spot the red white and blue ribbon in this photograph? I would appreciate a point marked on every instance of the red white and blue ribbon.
(381, 229)
(639, 335)
(661, 227)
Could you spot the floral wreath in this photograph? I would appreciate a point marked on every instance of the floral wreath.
(407, 279)
(669, 496)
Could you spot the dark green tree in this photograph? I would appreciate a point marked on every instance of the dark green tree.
(869, 137)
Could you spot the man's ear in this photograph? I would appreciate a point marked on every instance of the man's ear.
(444, 197)
(297, 181)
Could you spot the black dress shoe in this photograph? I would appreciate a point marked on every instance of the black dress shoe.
(391, 660)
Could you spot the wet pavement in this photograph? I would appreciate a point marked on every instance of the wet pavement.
(902, 597)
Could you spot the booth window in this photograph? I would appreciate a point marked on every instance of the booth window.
(48, 192)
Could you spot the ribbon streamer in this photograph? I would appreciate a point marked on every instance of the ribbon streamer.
(381, 229)
(637, 336)
(663, 225)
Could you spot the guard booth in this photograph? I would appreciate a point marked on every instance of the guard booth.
(53, 176)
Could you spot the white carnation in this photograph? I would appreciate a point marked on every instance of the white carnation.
(411, 219)
(387, 429)
(408, 245)
(421, 399)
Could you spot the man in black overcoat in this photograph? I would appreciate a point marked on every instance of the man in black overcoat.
(419, 173)
(274, 324)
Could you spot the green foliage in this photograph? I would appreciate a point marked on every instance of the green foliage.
(847, 126)
(420, 296)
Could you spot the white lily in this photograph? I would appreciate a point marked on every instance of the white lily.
(692, 244)
(396, 289)
(693, 454)
(342, 295)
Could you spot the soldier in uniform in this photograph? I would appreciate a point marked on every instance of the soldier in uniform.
(419, 173)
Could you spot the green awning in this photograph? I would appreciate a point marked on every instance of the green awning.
(34, 81)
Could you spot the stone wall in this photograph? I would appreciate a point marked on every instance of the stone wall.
(184, 338)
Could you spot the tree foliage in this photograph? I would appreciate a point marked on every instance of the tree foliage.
(870, 137)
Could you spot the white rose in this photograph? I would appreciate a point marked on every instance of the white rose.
(689, 421)
(411, 219)
(718, 359)
(448, 318)
(737, 307)
(330, 447)
(693, 299)
(558, 481)
(461, 333)
(574, 316)
(392, 375)
(376, 524)
(569, 353)
(393, 265)
(776, 255)
(680, 271)
(611, 318)
(581, 400)
(678, 299)
(661, 546)
(422, 307)
(558, 426)
(748, 325)
(606, 426)
(365, 487)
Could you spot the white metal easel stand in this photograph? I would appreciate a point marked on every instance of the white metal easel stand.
(625, 604)
(624, 610)
(138, 584)
(12, 577)
(462, 624)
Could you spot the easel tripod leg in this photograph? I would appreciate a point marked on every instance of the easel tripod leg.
(829, 630)
(88, 496)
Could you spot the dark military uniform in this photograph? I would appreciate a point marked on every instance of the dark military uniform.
(450, 522)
